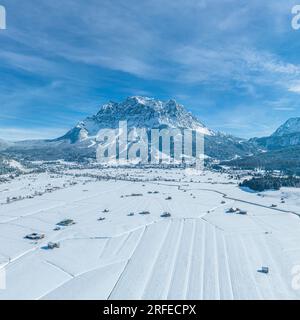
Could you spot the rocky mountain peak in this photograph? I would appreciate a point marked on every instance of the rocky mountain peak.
(289, 127)
(139, 112)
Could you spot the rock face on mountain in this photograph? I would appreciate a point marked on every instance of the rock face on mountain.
(143, 112)
(139, 112)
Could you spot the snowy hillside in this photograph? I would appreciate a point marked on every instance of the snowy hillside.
(8, 165)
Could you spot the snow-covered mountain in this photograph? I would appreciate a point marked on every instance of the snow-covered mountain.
(286, 135)
(140, 112)
(289, 127)
(281, 150)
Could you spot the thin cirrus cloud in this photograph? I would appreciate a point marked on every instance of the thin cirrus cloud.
(214, 55)
(295, 88)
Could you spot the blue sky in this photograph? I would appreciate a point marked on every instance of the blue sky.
(234, 63)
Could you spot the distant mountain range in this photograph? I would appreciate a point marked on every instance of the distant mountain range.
(279, 151)
(285, 136)
(143, 112)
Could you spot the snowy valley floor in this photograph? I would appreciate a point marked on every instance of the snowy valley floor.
(200, 252)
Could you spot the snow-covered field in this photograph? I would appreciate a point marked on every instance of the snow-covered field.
(200, 252)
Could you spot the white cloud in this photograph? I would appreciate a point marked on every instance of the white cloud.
(184, 41)
(295, 88)
(201, 49)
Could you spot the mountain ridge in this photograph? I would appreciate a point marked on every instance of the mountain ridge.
(143, 112)
(291, 126)
(288, 134)
(139, 112)
(280, 150)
